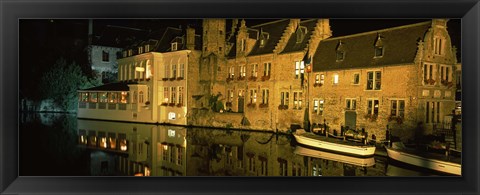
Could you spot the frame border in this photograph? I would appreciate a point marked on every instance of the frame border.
(11, 11)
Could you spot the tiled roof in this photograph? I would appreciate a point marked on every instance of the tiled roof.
(120, 86)
(118, 36)
(275, 31)
(292, 45)
(400, 46)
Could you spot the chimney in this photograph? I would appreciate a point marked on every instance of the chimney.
(190, 38)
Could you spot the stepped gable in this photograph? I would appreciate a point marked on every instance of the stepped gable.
(293, 45)
(275, 31)
(400, 47)
(119, 36)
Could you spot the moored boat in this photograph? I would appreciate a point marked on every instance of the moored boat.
(357, 161)
(333, 144)
(438, 162)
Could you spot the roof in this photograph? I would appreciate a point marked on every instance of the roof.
(399, 43)
(119, 36)
(120, 86)
(274, 30)
(165, 37)
(293, 45)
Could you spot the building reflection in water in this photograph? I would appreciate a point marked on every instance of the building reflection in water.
(133, 149)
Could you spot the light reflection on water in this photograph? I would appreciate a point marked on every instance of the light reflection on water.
(90, 147)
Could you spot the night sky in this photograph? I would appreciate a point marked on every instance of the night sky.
(43, 41)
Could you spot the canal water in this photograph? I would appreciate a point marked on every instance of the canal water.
(62, 145)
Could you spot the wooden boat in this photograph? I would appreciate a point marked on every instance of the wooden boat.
(333, 144)
(438, 162)
(358, 161)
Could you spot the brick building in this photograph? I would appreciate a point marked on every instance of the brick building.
(402, 77)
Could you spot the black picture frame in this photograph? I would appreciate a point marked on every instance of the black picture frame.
(11, 11)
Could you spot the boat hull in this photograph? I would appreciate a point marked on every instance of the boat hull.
(357, 161)
(433, 164)
(363, 151)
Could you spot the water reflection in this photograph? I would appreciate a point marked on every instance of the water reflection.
(91, 147)
(151, 150)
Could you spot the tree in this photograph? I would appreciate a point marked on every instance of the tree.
(61, 82)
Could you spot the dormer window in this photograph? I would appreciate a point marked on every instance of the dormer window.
(340, 55)
(379, 46)
(140, 50)
(130, 52)
(301, 32)
(243, 44)
(340, 51)
(378, 52)
(174, 46)
(264, 36)
(124, 54)
(147, 48)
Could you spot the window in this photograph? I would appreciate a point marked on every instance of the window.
(230, 95)
(243, 45)
(301, 32)
(243, 71)
(140, 97)
(140, 50)
(147, 48)
(321, 107)
(356, 78)
(335, 79)
(182, 70)
(113, 97)
(172, 154)
(397, 108)
(251, 163)
(174, 71)
(297, 100)
(254, 70)
(180, 95)
(374, 80)
(299, 69)
(232, 72)
(93, 97)
(265, 94)
(253, 96)
(445, 74)
(263, 165)
(340, 55)
(317, 78)
(241, 93)
(315, 106)
(179, 155)
(174, 46)
(103, 97)
(165, 152)
(284, 98)
(322, 79)
(438, 46)
(174, 95)
(167, 71)
(428, 74)
(432, 112)
(378, 51)
(266, 69)
(351, 104)
(166, 94)
(282, 167)
(124, 97)
(372, 108)
(262, 42)
(105, 56)
(124, 54)
(130, 52)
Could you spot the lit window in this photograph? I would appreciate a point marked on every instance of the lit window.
(266, 69)
(140, 50)
(299, 69)
(254, 70)
(253, 96)
(124, 97)
(284, 99)
(265, 94)
(174, 46)
(297, 100)
(335, 79)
